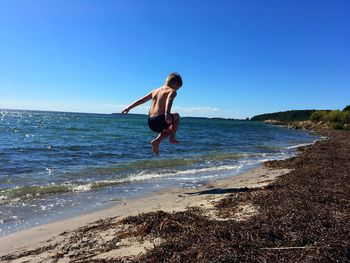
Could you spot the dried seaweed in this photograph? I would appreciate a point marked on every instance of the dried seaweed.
(303, 217)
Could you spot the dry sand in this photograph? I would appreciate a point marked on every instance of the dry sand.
(44, 243)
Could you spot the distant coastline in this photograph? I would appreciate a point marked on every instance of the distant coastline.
(308, 119)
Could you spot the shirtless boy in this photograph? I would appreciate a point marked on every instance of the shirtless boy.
(160, 118)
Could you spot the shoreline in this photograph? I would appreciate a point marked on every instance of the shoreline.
(168, 200)
(116, 202)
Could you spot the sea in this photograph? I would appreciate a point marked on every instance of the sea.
(55, 165)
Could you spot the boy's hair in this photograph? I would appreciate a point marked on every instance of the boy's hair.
(174, 78)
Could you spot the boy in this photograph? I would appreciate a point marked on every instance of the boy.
(159, 117)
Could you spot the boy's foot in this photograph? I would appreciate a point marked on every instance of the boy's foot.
(173, 140)
(155, 147)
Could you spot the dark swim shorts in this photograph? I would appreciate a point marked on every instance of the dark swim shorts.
(158, 123)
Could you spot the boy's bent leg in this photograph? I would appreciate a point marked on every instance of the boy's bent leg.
(155, 143)
(173, 128)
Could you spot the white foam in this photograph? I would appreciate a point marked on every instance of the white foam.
(300, 145)
(186, 175)
(147, 176)
(81, 188)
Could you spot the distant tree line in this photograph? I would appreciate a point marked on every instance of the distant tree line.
(327, 116)
(285, 116)
(334, 116)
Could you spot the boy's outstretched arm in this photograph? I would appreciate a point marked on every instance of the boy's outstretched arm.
(137, 103)
(168, 104)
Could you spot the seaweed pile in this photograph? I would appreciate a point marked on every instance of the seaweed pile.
(304, 216)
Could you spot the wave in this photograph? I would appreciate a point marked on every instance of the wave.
(140, 170)
(228, 156)
(300, 145)
(132, 167)
(22, 193)
(269, 147)
(127, 171)
(161, 164)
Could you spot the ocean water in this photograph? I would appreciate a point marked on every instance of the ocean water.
(54, 165)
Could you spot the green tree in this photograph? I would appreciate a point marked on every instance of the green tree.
(346, 117)
(334, 116)
(347, 108)
(318, 115)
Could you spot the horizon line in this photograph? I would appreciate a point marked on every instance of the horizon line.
(112, 113)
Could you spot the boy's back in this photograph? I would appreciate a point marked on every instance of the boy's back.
(159, 99)
(160, 118)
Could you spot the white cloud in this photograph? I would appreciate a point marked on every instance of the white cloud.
(200, 111)
(196, 109)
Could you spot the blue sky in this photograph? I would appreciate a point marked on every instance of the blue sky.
(237, 58)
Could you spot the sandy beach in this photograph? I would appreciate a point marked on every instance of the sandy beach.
(294, 210)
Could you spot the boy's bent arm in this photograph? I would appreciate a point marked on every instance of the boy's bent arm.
(168, 105)
(138, 102)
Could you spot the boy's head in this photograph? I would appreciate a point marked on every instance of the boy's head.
(174, 80)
